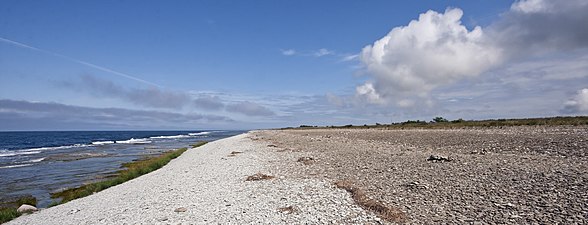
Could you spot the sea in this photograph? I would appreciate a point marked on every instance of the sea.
(39, 163)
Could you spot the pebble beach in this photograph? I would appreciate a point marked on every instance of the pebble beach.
(513, 175)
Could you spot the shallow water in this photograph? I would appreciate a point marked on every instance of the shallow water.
(38, 163)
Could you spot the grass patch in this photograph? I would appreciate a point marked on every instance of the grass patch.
(259, 176)
(8, 214)
(8, 208)
(133, 170)
(385, 212)
(198, 144)
(17, 202)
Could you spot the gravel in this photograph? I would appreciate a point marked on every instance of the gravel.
(502, 175)
(207, 185)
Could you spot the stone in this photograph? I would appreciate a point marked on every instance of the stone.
(439, 158)
(305, 160)
(181, 209)
(24, 208)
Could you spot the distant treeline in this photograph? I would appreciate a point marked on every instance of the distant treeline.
(440, 122)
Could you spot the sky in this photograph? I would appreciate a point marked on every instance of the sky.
(189, 65)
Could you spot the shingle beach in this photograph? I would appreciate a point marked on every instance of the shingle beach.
(356, 176)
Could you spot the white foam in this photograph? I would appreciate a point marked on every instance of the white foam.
(102, 142)
(55, 148)
(35, 160)
(13, 153)
(134, 141)
(30, 151)
(200, 133)
(171, 137)
(14, 166)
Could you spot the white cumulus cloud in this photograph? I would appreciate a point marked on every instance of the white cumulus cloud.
(579, 103)
(369, 93)
(536, 27)
(529, 6)
(434, 50)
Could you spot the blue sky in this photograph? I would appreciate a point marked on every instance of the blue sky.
(96, 65)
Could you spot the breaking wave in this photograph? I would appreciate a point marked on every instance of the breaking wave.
(200, 133)
(171, 137)
(135, 141)
(102, 142)
(14, 166)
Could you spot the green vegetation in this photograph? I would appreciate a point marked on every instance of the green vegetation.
(8, 214)
(440, 122)
(198, 144)
(133, 170)
(8, 209)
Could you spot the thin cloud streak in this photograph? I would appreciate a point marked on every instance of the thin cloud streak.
(125, 75)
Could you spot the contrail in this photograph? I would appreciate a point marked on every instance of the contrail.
(128, 76)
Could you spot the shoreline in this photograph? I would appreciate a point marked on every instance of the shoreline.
(208, 185)
(73, 161)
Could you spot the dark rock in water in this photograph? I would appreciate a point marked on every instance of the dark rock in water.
(438, 158)
(75, 156)
(26, 208)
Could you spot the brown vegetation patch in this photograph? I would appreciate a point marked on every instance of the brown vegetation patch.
(289, 209)
(385, 212)
(234, 153)
(259, 176)
(287, 150)
(306, 160)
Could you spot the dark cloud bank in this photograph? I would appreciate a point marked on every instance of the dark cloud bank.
(24, 115)
(159, 98)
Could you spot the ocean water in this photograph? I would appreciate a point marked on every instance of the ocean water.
(38, 163)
